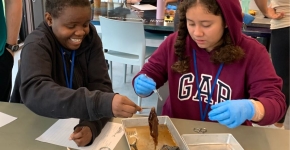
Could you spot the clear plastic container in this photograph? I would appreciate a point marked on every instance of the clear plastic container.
(245, 5)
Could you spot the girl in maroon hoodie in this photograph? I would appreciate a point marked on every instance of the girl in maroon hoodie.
(214, 71)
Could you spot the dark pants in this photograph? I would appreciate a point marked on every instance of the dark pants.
(6, 65)
(280, 57)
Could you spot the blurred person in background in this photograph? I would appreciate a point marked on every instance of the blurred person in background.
(10, 21)
(279, 13)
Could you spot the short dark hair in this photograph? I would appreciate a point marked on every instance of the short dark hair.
(55, 7)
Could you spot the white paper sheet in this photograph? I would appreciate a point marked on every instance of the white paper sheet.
(5, 119)
(144, 7)
(60, 131)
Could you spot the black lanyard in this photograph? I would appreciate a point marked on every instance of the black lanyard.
(68, 83)
(203, 114)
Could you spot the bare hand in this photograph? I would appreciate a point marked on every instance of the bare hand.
(81, 136)
(272, 14)
(123, 107)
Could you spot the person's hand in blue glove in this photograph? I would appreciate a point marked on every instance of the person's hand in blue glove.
(232, 113)
(248, 19)
(143, 85)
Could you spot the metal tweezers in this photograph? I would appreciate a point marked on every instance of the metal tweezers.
(155, 91)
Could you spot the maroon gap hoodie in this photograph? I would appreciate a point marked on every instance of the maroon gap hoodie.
(253, 77)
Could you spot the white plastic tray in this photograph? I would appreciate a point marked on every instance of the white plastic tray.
(223, 141)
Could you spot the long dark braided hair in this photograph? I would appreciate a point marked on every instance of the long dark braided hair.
(226, 53)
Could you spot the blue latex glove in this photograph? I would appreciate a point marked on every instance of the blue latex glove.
(144, 85)
(232, 113)
(171, 7)
(248, 19)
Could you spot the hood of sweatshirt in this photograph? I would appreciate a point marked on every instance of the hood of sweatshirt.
(232, 12)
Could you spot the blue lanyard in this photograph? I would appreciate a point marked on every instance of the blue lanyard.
(198, 88)
(68, 83)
